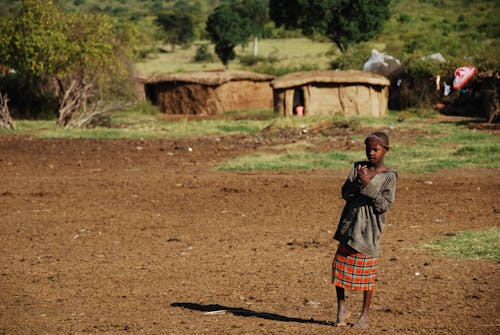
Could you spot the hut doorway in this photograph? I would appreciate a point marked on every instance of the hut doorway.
(151, 94)
(298, 102)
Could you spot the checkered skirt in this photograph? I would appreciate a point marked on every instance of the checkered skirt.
(353, 270)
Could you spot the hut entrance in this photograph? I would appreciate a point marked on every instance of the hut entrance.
(151, 94)
(298, 102)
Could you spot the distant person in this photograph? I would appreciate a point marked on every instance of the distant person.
(369, 192)
(299, 110)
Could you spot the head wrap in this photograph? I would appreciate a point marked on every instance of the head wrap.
(379, 137)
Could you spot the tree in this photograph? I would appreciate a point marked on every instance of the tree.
(345, 22)
(227, 29)
(178, 27)
(232, 23)
(44, 44)
(255, 13)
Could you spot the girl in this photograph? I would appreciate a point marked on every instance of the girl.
(369, 192)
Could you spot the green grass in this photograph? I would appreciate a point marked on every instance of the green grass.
(290, 161)
(297, 53)
(144, 123)
(471, 245)
(431, 145)
(438, 146)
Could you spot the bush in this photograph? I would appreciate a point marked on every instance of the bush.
(202, 54)
(250, 60)
(353, 59)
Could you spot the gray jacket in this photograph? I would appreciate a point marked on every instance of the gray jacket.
(363, 218)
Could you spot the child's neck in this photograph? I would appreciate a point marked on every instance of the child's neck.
(378, 167)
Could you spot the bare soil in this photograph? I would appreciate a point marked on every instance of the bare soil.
(146, 237)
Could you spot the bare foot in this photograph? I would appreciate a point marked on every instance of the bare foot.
(362, 322)
(342, 316)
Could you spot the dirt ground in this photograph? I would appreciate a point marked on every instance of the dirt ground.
(146, 237)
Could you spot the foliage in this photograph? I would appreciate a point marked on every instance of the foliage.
(344, 22)
(255, 11)
(353, 58)
(227, 29)
(178, 26)
(43, 43)
(462, 31)
(203, 55)
(232, 23)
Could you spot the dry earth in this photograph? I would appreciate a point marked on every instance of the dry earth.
(145, 237)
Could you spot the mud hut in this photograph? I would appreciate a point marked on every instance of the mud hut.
(331, 92)
(209, 92)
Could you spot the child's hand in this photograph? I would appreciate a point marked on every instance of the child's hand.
(363, 177)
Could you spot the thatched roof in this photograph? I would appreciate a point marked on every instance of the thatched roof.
(210, 78)
(337, 77)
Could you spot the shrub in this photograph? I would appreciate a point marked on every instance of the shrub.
(203, 55)
(354, 58)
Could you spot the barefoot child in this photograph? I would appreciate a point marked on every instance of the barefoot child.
(369, 192)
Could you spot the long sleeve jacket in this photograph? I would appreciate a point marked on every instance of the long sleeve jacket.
(363, 218)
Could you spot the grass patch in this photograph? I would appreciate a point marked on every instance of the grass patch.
(471, 245)
(289, 161)
(430, 145)
(144, 122)
(439, 146)
(158, 129)
(292, 54)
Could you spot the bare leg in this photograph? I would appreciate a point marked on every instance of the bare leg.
(363, 319)
(342, 312)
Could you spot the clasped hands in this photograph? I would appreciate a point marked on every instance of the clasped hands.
(363, 176)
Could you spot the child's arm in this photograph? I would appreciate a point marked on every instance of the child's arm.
(351, 186)
(383, 199)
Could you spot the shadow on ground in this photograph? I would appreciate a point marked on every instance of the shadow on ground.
(238, 311)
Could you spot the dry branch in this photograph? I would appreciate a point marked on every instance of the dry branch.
(98, 114)
(74, 101)
(6, 121)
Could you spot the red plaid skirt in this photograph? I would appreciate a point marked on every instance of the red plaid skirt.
(353, 270)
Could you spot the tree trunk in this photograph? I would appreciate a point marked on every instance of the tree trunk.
(255, 46)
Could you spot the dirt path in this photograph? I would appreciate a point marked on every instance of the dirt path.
(144, 237)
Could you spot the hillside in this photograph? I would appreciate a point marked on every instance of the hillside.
(454, 26)
(462, 31)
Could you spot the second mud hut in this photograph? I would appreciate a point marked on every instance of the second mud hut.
(331, 92)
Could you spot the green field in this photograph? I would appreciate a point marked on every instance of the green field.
(286, 53)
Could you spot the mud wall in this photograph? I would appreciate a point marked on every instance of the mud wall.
(175, 98)
(245, 94)
(200, 99)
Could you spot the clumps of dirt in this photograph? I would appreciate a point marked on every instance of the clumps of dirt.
(304, 244)
(335, 128)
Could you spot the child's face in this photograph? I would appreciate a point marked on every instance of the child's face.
(375, 152)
